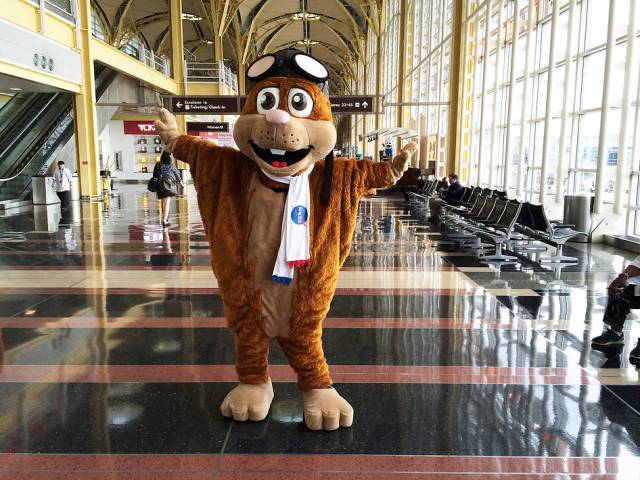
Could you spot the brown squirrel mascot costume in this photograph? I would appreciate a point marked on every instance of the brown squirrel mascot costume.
(279, 215)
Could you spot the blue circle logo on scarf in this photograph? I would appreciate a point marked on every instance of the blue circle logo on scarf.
(299, 214)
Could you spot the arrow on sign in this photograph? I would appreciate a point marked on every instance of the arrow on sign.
(365, 104)
(179, 104)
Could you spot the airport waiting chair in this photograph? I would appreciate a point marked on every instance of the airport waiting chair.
(501, 231)
(554, 234)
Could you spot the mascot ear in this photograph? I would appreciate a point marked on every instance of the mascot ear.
(325, 192)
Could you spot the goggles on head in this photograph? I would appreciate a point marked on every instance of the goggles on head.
(288, 63)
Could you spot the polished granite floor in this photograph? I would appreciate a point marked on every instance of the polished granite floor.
(114, 358)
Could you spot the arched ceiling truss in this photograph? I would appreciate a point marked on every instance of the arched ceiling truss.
(238, 31)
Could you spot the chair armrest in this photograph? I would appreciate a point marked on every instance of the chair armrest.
(497, 227)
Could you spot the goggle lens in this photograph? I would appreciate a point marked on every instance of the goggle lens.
(261, 66)
(311, 67)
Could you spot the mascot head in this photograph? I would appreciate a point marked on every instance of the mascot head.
(286, 123)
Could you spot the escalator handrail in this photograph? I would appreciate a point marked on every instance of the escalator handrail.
(102, 74)
(46, 133)
(28, 102)
(52, 147)
(51, 127)
(29, 124)
(104, 77)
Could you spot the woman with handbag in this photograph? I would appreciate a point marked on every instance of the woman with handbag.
(166, 178)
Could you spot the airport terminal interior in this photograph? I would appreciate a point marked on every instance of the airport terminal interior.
(269, 239)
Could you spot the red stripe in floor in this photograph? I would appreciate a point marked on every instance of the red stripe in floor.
(215, 291)
(87, 462)
(249, 475)
(220, 322)
(206, 268)
(309, 466)
(116, 253)
(425, 464)
(108, 475)
(283, 373)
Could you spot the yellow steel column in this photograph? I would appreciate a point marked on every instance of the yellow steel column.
(177, 55)
(177, 62)
(378, 98)
(218, 15)
(85, 112)
(364, 92)
(402, 62)
(456, 90)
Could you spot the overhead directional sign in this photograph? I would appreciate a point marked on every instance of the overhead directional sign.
(231, 104)
(219, 104)
(351, 103)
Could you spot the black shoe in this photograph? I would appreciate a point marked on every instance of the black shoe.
(612, 362)
(165, 224)
(608, 338)
(634, 355)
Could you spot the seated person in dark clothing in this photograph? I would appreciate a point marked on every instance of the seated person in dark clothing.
(448, 194)
(454, 190)
(624, 295)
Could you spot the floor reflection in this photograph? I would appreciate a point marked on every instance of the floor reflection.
(466, 359)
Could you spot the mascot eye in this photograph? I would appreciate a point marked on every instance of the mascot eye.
(300, 102)
(268, 99)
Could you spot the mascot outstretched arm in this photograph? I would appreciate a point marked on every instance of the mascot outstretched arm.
(279, 215)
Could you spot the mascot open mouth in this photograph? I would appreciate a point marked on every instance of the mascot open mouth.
(280, 158)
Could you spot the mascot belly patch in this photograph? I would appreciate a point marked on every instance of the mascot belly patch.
(279, 216)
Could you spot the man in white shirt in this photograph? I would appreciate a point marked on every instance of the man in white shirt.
(62, 180)
(624, 294)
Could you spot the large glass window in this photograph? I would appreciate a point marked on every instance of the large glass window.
(424, 81)
(555, 128)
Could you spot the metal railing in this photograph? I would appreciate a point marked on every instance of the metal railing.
(215, 72)
(62, 8)
(148, 57)
(188, 56)
(136, 50)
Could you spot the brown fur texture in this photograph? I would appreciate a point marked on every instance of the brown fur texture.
(222, 177)
(316, 130)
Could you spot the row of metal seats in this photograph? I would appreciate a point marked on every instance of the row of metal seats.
(467, 195)
(490, 215)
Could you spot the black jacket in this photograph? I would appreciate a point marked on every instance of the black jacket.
(452, 192)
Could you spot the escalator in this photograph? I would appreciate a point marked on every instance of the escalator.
(34, 128)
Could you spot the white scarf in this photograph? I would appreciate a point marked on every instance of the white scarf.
(294, 239)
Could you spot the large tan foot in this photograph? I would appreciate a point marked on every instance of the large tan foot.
(248, 402)
(325, 409)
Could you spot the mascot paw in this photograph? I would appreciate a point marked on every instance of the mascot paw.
(325, 409)
(248, 402)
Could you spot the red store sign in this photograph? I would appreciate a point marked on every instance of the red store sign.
(139, 127)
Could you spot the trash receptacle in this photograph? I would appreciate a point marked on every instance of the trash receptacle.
(44, 193)
(75, 188)
(577, 211)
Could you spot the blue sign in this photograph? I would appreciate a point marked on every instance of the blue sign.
(299, 214)
(388, 150)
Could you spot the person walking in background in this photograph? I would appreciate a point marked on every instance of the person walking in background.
(168, 179)
(62, 180)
